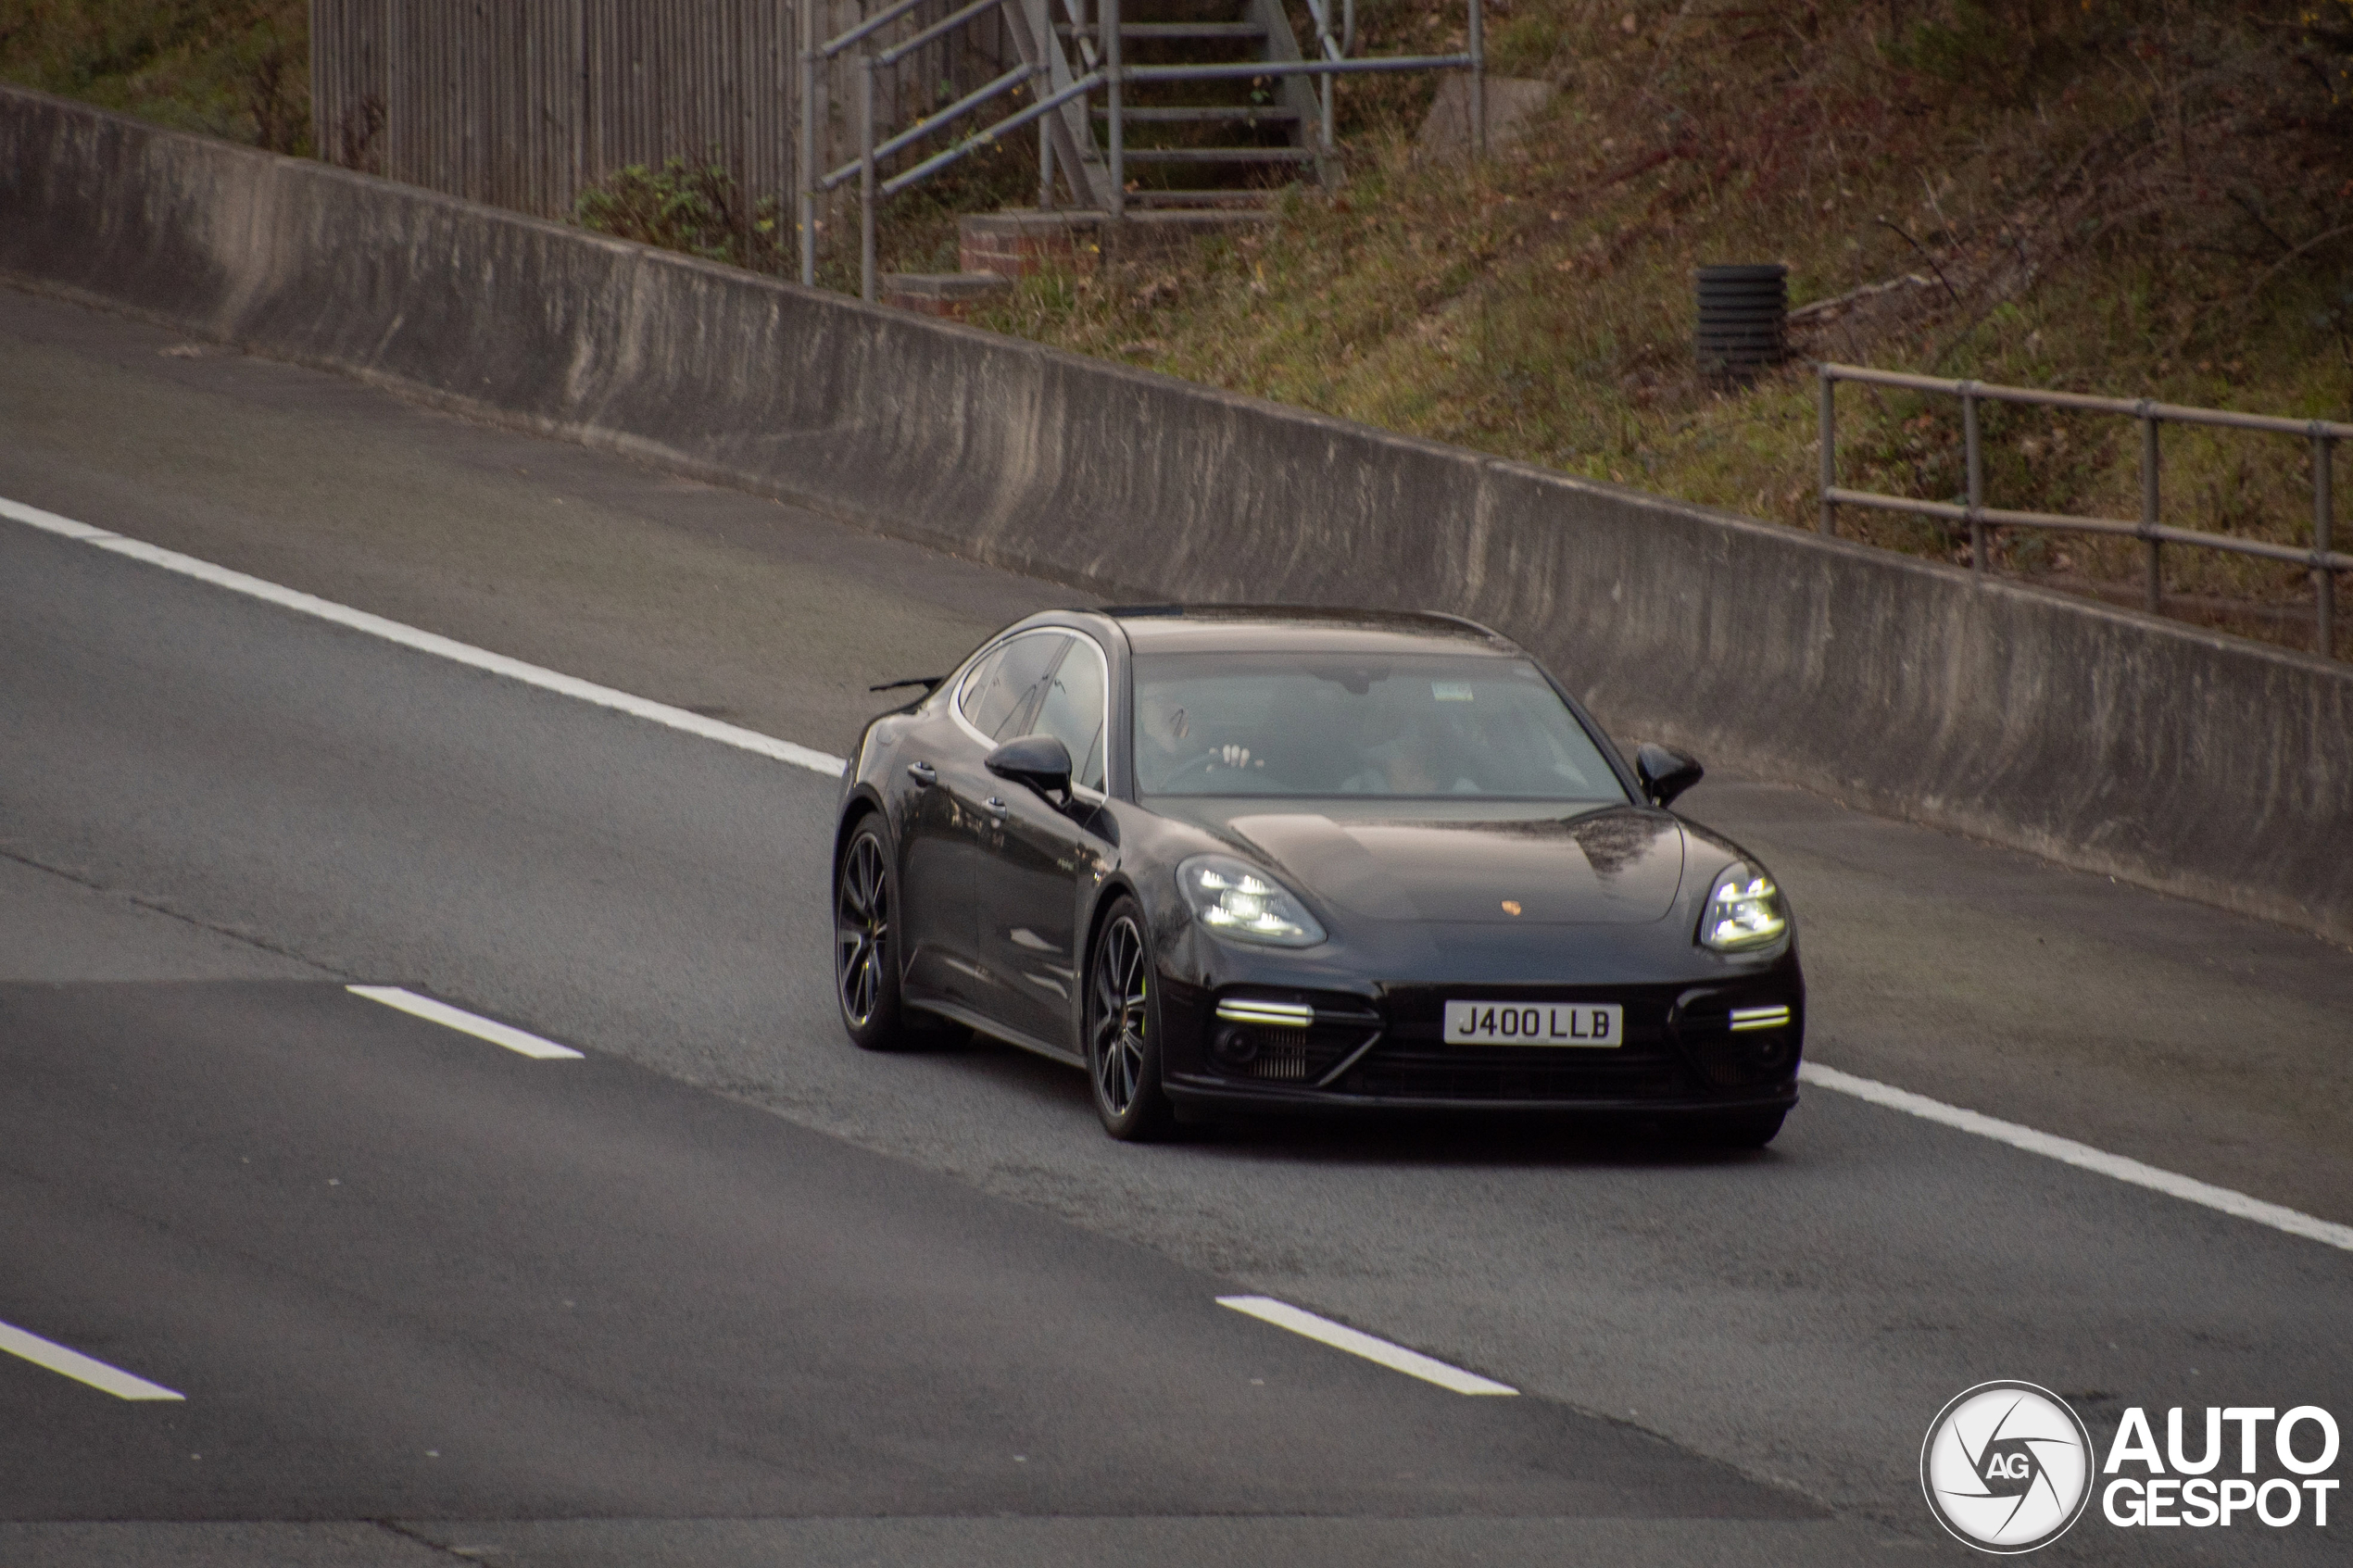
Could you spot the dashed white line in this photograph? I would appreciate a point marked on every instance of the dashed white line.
(2083, 1156)
(1356, 1342)
(465, 1023)
(81, 1368)
(428, 642)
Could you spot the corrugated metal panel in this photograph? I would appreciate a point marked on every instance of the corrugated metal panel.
(521, 103)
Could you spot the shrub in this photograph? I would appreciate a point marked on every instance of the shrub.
(698, 208)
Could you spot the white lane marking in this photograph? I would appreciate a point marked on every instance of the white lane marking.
(428, 642)
(2068, 1152)
(465, 1023)
(81, 1368)
(2293, 1222)
(1413, 1364)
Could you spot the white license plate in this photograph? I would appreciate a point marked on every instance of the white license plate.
(1535, 1024)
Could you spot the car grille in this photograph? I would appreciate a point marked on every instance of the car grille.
(1462, 1076)
(1414, 1061)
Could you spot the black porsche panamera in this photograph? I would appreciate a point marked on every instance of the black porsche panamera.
(1240, 859)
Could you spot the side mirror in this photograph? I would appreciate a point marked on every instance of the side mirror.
(1040, 761)
(1665, 773)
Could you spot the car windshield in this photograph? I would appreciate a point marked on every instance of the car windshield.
(1219, 723)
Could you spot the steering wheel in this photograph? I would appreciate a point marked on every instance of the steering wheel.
(1204, 761)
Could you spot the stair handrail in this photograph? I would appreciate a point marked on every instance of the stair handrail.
(1338, 48)
(816, 55)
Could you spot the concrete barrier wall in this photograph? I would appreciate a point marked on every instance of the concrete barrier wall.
(2106, 740)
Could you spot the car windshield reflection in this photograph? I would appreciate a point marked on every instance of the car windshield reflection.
(1378, 727)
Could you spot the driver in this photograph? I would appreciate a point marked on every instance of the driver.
(1161, 726)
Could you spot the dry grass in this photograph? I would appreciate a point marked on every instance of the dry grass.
(917, 231)
(2135, 197)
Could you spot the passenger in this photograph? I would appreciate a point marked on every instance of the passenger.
(1423, 759)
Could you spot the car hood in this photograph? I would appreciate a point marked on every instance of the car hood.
(1617, 866)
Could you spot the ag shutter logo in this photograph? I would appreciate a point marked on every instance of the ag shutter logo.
(2007, 1467)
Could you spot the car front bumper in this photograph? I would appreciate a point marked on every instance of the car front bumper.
(1382, 1049)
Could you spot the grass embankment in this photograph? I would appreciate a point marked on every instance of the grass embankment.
(2133, 198)
(235, 69)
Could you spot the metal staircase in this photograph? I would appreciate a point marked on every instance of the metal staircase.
(1219, 140)
(1150, 104)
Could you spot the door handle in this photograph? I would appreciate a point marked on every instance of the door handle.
(994, 807)
(924, 773)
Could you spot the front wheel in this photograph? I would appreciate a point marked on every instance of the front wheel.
(1123, 1029)
(866, 944)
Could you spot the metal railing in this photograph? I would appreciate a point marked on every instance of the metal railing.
(1110, 75)
(2321, 560)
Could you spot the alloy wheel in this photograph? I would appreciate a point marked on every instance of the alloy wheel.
(1121, 1001)
(861, 929)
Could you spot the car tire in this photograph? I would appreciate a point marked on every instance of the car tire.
(866, 920)
(1123, 1029)
(1753, 1129)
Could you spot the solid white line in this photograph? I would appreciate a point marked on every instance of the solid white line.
(465, 1023)
(1413, 1364)
(2068, 1152)
(428, 642)
(81, 1368)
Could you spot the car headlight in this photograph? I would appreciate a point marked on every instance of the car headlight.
(1744, 910)
(1232, 898)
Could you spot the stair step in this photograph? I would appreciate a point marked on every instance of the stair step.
(1169, 29)
(948, 294)
(1022, 241)
(1219, 155)
(1236, 201)
(1264, 112)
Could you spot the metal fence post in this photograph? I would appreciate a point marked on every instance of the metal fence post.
(1107, 17)
(866, 180)
(809, 174)
(2149, 509)
(1479, 79)
(1973, 456)
(1325, 48)
(1045, 146)
(2324, 510)
(1830, 449)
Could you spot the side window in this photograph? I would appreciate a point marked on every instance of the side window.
(1002, 692)
(1073, 710)
(984, 674)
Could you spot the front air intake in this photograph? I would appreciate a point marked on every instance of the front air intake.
(1281, 1062)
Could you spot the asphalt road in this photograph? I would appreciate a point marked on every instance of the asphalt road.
(819, 1299)
(397, 1272)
